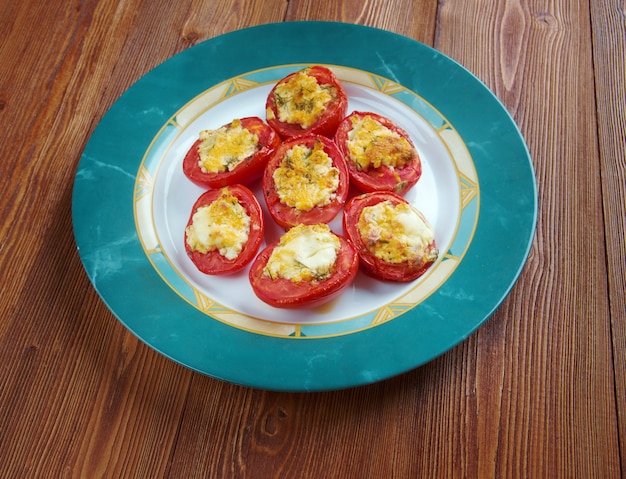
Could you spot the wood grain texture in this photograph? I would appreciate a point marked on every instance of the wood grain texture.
(609, 46)
(77, 388)
(415, 19)
(538, 391)
(559, 311)
(340, 433)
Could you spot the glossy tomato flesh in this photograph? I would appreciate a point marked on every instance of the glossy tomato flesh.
(287, 216)
(213, 263)
(327, 123)
(246, 172)
(284, 293)
(384, 178)
(373, 266)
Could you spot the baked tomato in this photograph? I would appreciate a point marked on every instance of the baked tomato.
(305, 181)
(379, 154)
(236, 153)
(393, 239)
(311, 100)
(308, 266)
(225, 230)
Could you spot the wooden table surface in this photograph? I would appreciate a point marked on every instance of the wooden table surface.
(539, 391)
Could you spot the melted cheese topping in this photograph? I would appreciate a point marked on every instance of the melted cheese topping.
(304, 253)
(372, 145)
(224, 225)
(306, 177)
(396, 233)
(301, 100)
(223, 149)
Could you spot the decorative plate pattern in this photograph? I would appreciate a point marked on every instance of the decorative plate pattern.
(130, 200)
(459, 205)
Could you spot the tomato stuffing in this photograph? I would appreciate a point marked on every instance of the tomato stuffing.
(308, 154)
(380, 155)
(236, 153)
(308, 266)
(225, 230)
(309, 101)
(393, 240)
(305, 181)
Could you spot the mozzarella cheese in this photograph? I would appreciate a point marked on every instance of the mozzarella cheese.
(396, 233)
(223, 225)
(372, 145)
(223, 149)
(306, 177)
(301, 100)
(304, 253)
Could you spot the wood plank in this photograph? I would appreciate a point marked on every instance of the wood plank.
(546, 350)
(416, 20)
(349, 432)
(84, 397)
(74, 403)
(528, 395)
(609, 47)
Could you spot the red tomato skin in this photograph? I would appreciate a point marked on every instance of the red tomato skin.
(371, 265)
(284, 293)
(286, 216)
(213, 263)
(246, 172)
(398, 180)
(327, 123)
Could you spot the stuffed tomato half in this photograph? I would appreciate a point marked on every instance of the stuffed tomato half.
(309, 101)
(394, 240)
(380, 155)
(305, 181)
(235, 153)
(308, 266)
(225, 230)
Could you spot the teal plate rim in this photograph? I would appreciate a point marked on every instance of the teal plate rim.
(119, 269)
